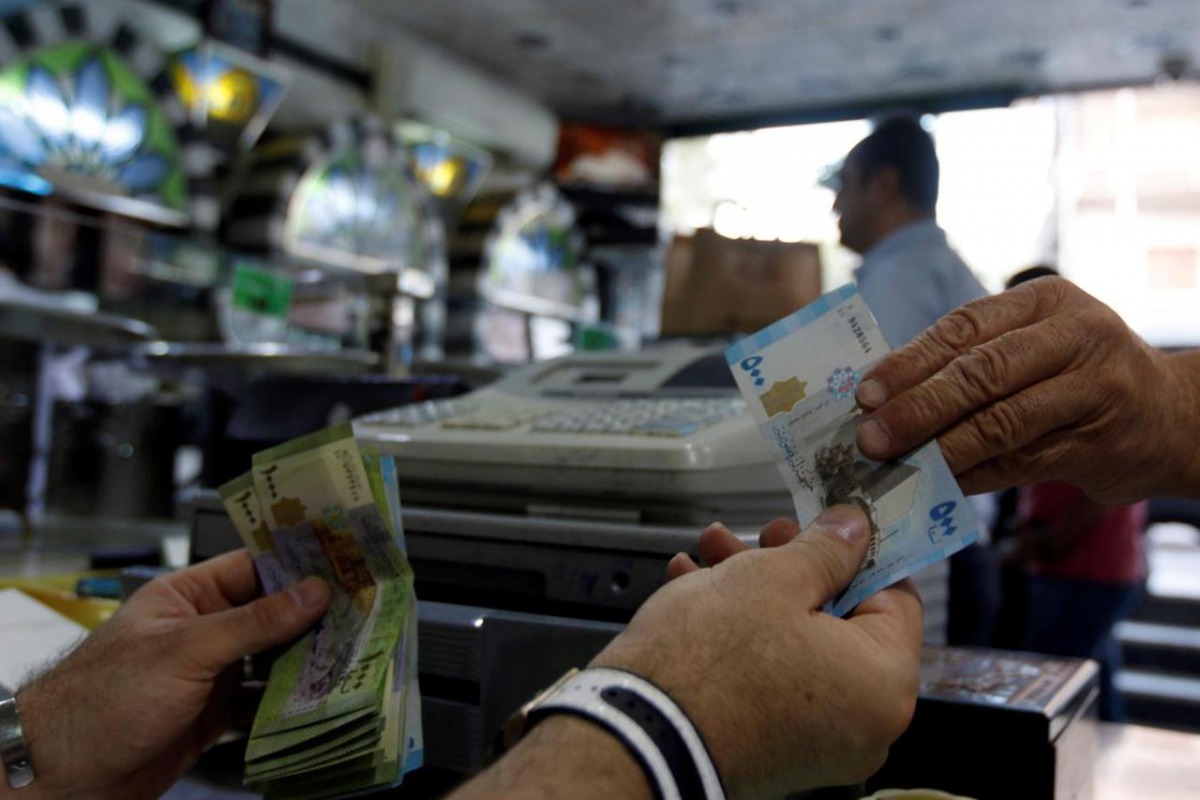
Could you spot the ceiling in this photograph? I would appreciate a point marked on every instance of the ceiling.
(676, 62)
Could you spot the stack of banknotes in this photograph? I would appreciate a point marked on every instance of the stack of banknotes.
(799, 377)
(342, 709)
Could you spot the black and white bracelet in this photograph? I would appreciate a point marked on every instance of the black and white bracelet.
(647, 721)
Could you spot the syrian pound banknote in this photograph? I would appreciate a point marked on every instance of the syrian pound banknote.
(342, 709)
(799, 377)
(240, 499)
(407, 685)
(318, 501)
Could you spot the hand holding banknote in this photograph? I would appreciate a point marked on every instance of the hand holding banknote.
(341, 712)
(134, 705)
(799, 377)
(1040, 382)
(785, 697)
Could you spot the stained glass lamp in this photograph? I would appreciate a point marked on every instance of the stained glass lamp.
(451, 169)
(230, 94)
(359, 210)
(532, 258)
(76, 120)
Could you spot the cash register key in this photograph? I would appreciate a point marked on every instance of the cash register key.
(646, 417)
(481, 423)
(671, 430)
(414, 416)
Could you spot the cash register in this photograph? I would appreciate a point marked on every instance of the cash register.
(660, 436)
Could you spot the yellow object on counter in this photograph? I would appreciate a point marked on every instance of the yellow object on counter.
(57, 593)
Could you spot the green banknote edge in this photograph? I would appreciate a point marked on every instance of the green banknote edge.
(366, 744)
(271, 752)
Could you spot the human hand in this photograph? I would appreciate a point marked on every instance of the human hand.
(1040, 382)
(126, 713)
(718, 543)
(786, 696)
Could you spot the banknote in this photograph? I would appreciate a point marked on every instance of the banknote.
(405, 701)
(413, 732)
(284, 750)
(341, 712)
(335, 750)
(317, 500)
(387, 467)
(407, 685)
(240, 499)
(799, 377)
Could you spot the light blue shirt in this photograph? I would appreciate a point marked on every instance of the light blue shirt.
(912, 278)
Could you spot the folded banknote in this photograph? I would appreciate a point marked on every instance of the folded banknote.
(799, 377)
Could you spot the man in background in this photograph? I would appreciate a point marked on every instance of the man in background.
(886, 202)
(910, 278)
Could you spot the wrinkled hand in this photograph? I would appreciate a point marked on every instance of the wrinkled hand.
(1040, 382)
(133, 707)
(786, 696)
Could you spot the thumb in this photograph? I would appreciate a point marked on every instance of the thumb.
(263, 623)
(826, 556)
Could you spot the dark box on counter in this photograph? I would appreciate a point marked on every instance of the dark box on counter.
(998, 725)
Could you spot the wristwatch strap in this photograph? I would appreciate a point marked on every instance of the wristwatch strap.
(647, 721)
(13, 752)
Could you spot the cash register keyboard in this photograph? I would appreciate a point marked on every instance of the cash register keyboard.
(419, 415)
(670, 417)
(495, 420)
(650, 417)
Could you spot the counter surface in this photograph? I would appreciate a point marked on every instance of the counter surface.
(1136, 763)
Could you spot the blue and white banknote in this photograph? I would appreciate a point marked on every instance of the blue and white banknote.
(799, 376)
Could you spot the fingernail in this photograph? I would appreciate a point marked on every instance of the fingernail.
(873, 438)
(871, 394)
(309, 593)
(844, 521)
(681, 563)
(717, 526)
(680, 557)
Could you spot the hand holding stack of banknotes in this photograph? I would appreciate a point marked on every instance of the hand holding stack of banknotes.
(342, 709)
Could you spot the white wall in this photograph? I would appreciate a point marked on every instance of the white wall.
(341, 31)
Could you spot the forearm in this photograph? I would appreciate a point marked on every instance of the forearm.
(563, 756)
(67, 760)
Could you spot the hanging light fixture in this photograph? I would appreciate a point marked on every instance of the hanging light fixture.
(230, 93)
(450, 169)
